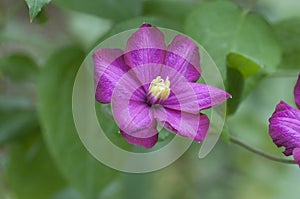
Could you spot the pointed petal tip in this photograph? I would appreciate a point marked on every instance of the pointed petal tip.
(281, 106)
(192, 126)
(228, 96)
(217, 95)
(145, 25)
(147, 143)
(203, 95)
(145, 46)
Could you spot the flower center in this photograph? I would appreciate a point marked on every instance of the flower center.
(159, 88)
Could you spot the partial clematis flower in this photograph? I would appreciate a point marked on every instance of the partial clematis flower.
(284, 126)
(150, 83)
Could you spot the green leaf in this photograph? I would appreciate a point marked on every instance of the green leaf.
(35, 6)
(221, 27)
(137, 22)
(31, 173)
(240, 69)
(235, 87)
(68, 193)
(276, 10)
(16, 125)
(164, 135)
(55, 110)
(225, 135)
(240, 41)
(78, 23)
(137, 186)
(15, 103)
(176, 10)
(18, 67)
(42, 17)
(288, 33)
(244, 65)
(18, 117)
(112, 9)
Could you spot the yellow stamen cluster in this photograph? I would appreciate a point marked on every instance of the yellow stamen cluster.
(160, 88)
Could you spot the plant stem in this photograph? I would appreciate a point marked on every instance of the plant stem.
(261, 153)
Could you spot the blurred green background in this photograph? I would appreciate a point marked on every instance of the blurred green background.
(41, 155)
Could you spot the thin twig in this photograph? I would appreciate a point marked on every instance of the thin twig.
(261, 153)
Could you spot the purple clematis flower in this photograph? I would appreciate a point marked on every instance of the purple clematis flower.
(150, 83)
(284, 126)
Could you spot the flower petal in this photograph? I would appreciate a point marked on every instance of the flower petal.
(109, 66)
(130, 110)
(284, 127)
(297, 92)
(145, 46)
(136, 121)
(139, 140)
(296, 154)
(205, 96)
(132, 114)
(183, 55)
(193, 126)
(139, 124)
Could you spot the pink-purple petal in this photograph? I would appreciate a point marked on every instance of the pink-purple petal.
(284, 127)
(145, 46)
(296, 154)
(147, 142)
(209, 96)
(123, 78)
(109, 66)
(205, 96)
(130, 111)
(140, 115)
(136, 122)
(297, 92)
(183, 55)
(193, 126)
